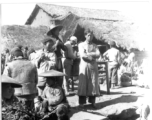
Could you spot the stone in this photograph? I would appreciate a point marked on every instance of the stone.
(83, 115)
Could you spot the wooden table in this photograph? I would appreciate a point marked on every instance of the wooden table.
(107, 73)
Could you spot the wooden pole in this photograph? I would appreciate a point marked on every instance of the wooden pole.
(107, 77)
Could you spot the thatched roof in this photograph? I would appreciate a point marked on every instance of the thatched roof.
(121, 32)
(57, 12)
(22, 35)
(106, 25)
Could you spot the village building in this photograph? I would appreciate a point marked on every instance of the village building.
(106, 25)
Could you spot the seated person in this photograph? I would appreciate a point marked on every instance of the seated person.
(8, 97)
(54, 104)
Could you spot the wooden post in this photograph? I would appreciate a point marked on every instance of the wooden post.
(107, 77)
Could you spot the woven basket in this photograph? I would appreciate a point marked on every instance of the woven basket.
(126, 84)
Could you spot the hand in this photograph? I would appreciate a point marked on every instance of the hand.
(57, 42)
(50, 108)
(85, 51)
(42, 56)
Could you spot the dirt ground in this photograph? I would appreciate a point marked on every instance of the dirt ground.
(119, 99)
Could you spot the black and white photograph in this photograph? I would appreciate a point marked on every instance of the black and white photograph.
(76, 60)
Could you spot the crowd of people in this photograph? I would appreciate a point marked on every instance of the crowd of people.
(47, 94)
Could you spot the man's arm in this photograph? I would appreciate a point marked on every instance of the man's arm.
(39, 57)
(95, 54)
(70, 52)
(82, 51)
(52, 63)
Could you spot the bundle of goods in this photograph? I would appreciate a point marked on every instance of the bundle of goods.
(126, 79)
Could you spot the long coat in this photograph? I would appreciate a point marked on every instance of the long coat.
(88, 71)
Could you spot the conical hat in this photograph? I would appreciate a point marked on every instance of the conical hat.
(51, 73)
(14, 83)
(53, 27)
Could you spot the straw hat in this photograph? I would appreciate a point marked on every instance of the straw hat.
(53, 27)
(48, 38)
(51, 73)
(9, 80)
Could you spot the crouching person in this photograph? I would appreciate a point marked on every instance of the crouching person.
(8, 97)
(8, 85)
(54, 104)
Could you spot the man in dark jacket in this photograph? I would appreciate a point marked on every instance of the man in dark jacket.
(55, 32)
(26, 74)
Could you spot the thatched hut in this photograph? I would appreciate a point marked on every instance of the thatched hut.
(13, 35)
(106, 25)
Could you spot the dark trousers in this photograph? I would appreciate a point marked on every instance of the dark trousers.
(60, 69)
(82, 99)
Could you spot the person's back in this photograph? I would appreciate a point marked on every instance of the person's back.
(25, 73)
(112, 54)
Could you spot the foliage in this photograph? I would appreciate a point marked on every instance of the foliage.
(17, 111)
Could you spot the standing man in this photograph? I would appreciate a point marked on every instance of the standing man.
(68, 62)
(88, 70)
(26, 74)
(25, 53)
(7, 54)
(58, 46)
(5, 58)
(113, 56)
(45, 60)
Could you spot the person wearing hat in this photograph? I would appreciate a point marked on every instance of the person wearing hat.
(54, 103)
(45, 60)
(25, 73)
(113, 56)
(8, 97)
(8, 85)
(68, 61)
(55, 32)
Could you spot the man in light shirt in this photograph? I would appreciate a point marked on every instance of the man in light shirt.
(68, 62)
(45, 60)
(113, 56)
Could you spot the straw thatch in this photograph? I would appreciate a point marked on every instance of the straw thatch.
(22, 35)
(106, 25)
(121, 32)
(57, 12)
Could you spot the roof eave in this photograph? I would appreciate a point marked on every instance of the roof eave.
(33, 15)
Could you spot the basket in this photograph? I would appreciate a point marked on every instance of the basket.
(126, 84)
